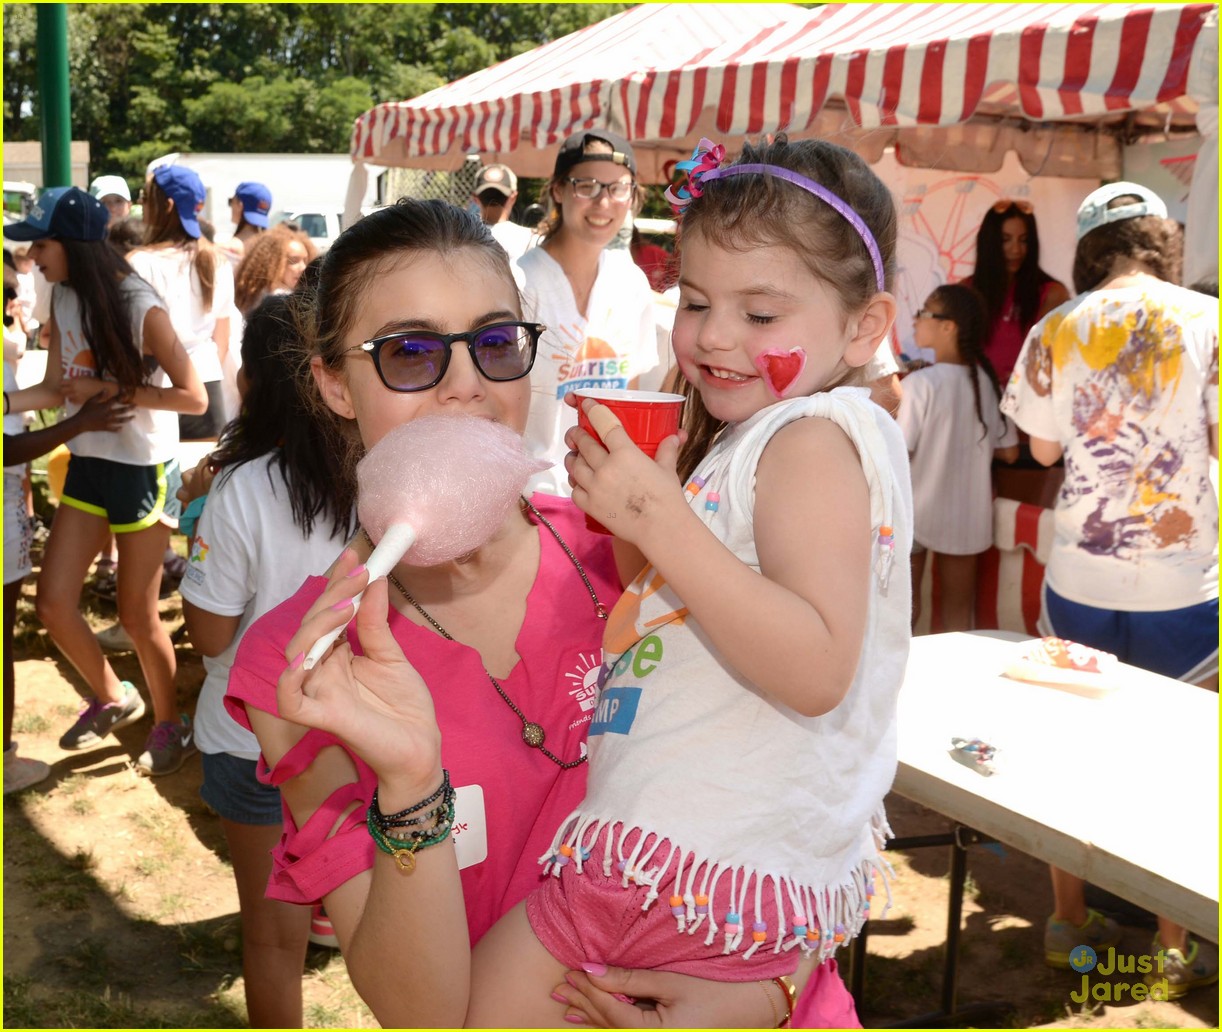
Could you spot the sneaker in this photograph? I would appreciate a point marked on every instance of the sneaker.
(167, 747)
(97, 720)
(104, 584)
(173, 569)
(1062, 937)
(115, 639)
(322, 933)
(20, 773)
(1183, 973)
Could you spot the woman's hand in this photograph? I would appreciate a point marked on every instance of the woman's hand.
(102, 413)
(197, 482)
(615, 482)
(674, 1001)
(375, 702)
(79, 389)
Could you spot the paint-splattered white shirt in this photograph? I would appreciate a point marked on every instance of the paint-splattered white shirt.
(1126, 381)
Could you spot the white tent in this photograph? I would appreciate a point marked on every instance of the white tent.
(949, 86)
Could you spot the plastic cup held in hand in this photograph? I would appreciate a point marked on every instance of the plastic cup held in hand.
(649, 417)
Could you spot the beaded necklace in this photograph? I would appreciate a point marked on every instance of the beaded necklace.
(532, 733)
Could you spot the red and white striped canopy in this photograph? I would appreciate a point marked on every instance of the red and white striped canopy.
(665, 74)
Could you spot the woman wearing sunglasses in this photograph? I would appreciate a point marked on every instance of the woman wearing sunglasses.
(416, 313)
(1016, 291)
(595, 302)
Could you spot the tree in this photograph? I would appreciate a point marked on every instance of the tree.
(151, 78)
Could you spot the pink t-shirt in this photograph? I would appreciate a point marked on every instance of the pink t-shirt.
(511, 799)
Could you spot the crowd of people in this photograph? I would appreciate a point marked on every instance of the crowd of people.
(733, 601)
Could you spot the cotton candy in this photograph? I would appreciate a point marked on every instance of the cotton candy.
(452, 478)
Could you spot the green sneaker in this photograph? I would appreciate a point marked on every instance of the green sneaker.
(1061, 937)
(1183, 973)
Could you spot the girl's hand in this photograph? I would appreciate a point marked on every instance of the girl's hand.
(197, 482)
(664, 1000)
(79, 389)
(375, 702)
(101, 413)
(615, 482)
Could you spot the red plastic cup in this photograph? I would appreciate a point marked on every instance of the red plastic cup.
(649, 417)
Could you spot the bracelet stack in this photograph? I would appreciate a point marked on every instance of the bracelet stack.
(402, 834)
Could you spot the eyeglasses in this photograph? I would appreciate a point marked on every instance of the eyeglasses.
(925, 313)
(590, 189)
(1006, 203)
(417, 360)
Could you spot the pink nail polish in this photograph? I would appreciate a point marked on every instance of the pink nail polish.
(343, 603)
(358, 571)
(593, 967)
(297, 661)
(569, 978)
(574, 1019)
(622, 998)
(560, 999)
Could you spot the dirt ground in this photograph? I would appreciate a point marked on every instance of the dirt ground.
(120, 909)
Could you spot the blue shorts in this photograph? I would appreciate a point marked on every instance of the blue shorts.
(1178, 643)
(129, 498)
(231, 789)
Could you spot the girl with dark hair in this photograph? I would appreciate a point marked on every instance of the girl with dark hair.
(411, 303)
(111, 335)
(1016, 291)
(954, 430)
(768, 620)
(271, 519)
(195, 281)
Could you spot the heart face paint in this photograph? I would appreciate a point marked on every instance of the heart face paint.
(780, 369)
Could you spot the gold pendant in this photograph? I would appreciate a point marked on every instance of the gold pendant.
(406, 859)
(532, 735)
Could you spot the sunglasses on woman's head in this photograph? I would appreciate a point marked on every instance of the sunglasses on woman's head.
(1006, 203)
(417, 360)
(925, 313)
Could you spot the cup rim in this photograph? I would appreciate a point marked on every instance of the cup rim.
(623, 394)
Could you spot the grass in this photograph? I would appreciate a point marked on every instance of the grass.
(28, 1005)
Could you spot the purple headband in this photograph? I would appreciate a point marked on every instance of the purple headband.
(705, 166)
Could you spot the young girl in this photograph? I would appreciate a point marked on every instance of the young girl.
(954, 429)
(271, 519)
(110, 334)
(509, 638)
(195, 281)
(273, 265)
(744, 737)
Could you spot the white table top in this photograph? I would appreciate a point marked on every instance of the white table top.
(1122, 790)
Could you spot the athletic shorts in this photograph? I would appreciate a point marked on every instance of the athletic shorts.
(1177, 643)
(130, 498)
(208, 426)
(232, 790)
(18, 533)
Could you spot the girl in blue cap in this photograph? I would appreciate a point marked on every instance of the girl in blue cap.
(110, 335)
(195, 281)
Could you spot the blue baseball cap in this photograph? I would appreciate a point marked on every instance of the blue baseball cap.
(67, 212)
(186, 190)
(256, 200)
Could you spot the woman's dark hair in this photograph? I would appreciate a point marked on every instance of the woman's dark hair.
(95, 272)
(990, 277)
(1154, 241)
(966, 310)
(274, 416)
(125, 234)
(365, 250)
(759, 210)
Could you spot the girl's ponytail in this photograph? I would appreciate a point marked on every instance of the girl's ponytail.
(967, 309)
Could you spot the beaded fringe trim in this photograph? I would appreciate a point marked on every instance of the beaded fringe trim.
(821, 918)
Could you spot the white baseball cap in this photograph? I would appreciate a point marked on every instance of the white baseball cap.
(1094, 211)
(104, 186)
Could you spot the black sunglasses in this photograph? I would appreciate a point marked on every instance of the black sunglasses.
(417, 360)
(925, 313)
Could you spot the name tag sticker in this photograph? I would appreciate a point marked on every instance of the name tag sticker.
(470, 826)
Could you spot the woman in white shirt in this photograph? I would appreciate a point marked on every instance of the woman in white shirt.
(596, 303)
(194, 280)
